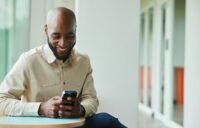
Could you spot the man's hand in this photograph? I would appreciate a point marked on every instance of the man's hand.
(71, 107)
(50, 108)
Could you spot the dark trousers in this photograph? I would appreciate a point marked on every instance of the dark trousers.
(102, 120)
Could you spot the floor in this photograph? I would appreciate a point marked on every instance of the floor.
(146, 121)
(178, 114)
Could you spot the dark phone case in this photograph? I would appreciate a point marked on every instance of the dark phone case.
(69, 93)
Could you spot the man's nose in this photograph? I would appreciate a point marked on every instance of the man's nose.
(63, 43)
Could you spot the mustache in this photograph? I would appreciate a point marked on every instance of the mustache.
(67, 48)
(54, 47)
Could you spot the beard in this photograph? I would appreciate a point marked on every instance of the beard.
(61, 57)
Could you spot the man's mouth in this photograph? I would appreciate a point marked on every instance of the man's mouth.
(61, 50)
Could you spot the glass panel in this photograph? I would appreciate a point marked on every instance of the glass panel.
(146, 41)
(141, 89)
(149, 57)
(5, 24)
(178, 58)
(163, 56)
(21, 35)
(14, 32)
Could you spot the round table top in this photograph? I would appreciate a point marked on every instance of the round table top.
(39, 122)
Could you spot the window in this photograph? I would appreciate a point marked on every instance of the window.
(14, 32)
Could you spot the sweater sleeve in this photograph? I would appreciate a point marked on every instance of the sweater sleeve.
(11, 90)
(89, 98)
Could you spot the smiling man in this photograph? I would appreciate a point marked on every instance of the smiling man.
(34, 84)
(61, 33)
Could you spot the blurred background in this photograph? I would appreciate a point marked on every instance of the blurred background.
(168, 59)
(145, 54)
(162, 59)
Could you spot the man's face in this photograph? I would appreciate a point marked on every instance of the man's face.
(61, 35)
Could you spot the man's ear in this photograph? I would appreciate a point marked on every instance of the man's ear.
(46, 29)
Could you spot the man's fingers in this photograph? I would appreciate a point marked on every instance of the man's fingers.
(55, 109)
(53, 114)
(57, 101)
(56, 97)
(69, 108)
(64, 114)
(66, 107)
(68, 114)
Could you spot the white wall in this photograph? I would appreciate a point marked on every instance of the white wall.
(66, 3)
(38, 16)
(192, 63)
(109, 32)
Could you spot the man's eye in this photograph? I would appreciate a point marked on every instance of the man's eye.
(71, 35)
(55, 37)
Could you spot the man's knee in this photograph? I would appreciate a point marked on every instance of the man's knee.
(102, 120)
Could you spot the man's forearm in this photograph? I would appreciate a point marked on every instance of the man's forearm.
(15, 107)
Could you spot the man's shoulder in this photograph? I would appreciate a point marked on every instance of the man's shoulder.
(32, 53)
(81, 55)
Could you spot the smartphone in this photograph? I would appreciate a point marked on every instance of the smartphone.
(66, 94)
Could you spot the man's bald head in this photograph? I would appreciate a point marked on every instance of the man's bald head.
(60, 12)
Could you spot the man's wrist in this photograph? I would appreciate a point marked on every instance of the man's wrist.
(82, 111)
(40, 113)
